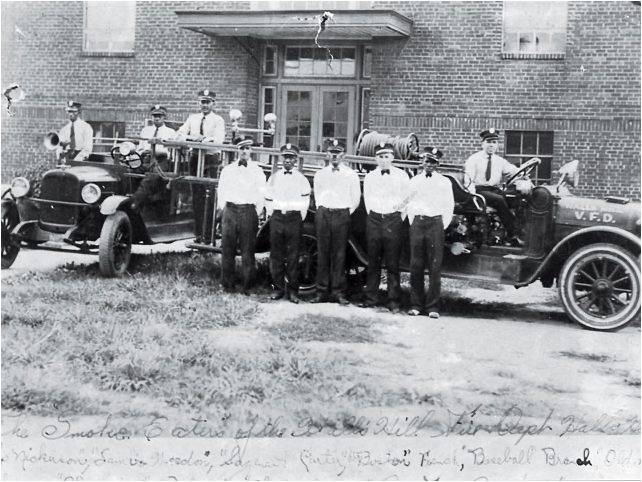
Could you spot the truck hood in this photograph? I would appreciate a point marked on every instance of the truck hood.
(85, 174)
(583, 212)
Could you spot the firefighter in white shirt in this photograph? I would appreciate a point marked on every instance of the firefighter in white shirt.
(154, 181)
(158, 130)
(430, 211)
(287, 200)
(76, 137)
(204, 127)
(337, 194)
(241, 196)
(384, 191)
(485, 170)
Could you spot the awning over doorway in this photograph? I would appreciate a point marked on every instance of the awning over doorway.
(297, 24)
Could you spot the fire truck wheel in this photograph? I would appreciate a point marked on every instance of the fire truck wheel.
(115, 245)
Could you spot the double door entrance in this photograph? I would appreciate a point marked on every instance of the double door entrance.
(313, 114)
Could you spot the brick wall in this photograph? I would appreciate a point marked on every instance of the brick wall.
(169, 67)
(445, 83)
(448, 81)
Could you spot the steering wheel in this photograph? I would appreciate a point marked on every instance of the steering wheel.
(524, 170)
(132, 160)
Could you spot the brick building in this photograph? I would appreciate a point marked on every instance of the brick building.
(560, 79)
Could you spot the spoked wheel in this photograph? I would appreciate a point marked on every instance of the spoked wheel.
(10, 220)
(115, 245)
(600, 286)
(308, 258)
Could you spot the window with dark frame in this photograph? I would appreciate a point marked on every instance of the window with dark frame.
(269, 107)
(104, 134)
(365, 108)
(521, 146)
(270, 61)
(315, 62)
(366, 67)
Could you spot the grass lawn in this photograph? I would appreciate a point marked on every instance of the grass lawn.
(167, 341)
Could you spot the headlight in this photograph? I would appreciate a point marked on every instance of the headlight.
(90, 193)
(20, 187)
(126, 148)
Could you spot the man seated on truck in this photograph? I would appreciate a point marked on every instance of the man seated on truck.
(77, 137)
(485, 170)
(154, 181)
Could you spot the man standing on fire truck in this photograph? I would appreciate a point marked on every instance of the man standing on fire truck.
(77, 137)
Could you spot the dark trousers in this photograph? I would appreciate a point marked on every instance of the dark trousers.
(333, 230)
(495, 199)
(384, 243)
(285, 238)
(240, 225)
(426, 248)
(202, 203)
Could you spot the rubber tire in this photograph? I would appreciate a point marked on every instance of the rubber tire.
(10, 219)
(116, 233)
(628, 267)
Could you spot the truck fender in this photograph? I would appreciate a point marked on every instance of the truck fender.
(113, 204)
(550, 258)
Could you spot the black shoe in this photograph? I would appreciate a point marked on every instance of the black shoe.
(319, 299)
(367, 304)
(294, 299)
(277, 295)
(228, 289)
(342, 301)
(197, 240)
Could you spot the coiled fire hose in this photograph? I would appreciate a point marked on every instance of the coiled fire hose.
(404, 147)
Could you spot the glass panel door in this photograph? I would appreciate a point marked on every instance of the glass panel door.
(297, 121)
(337, 115)
(314, 114)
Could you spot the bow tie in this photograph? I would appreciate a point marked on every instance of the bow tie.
(287, 172)
(385, 171)
(335, 169)
(429, 174)
(243, 163)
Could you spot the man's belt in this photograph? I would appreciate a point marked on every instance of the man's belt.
(334, 210)
(239, 206)
(382, 215)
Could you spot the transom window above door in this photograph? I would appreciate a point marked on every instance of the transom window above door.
(310, 5)
(311, 61)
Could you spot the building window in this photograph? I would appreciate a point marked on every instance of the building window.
(106, 134)
(270, 61)
(365, 108)
(535, 28)
(521, 146)
(310, 61)
(310, 5)
(366, 67)
(109, 27)
(268, 107)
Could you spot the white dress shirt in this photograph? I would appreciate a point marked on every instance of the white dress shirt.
(476, 170)
(148, 132)
(242, 185)
(434, 197)
(84, 136)
(383, 193)
(287, 192)
(213, 128)
(337, 189)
